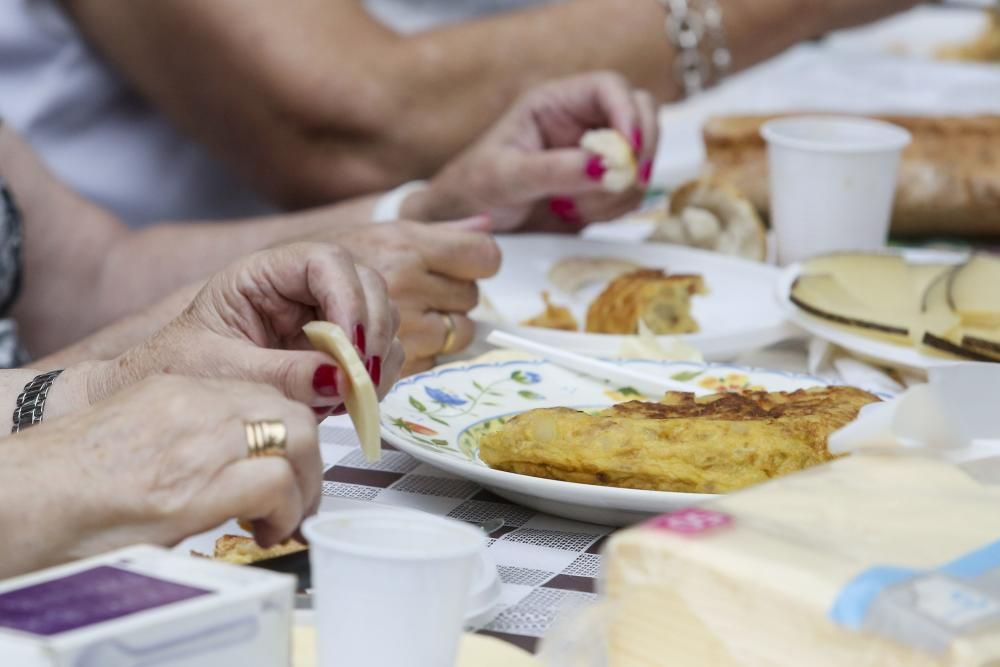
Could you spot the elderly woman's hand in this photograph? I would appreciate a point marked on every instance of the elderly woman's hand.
(163, 461)
(529, 166)
(246, 324)
(431, 272)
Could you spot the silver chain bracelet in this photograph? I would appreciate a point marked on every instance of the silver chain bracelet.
(696, 30)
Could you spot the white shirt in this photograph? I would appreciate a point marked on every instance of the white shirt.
(96, 134)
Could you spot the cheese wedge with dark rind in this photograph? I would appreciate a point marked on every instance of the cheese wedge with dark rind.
(359, 396)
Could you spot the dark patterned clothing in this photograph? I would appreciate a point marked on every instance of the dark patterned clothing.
(12, 353)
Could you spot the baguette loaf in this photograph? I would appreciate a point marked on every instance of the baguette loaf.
(949, 180)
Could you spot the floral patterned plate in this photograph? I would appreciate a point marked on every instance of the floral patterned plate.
(438, 417)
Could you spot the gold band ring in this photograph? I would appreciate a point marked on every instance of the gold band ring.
(449, 335)
(266, 438)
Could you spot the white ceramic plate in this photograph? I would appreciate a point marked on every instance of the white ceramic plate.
(436, 417)
(867, 348)
(738, 315)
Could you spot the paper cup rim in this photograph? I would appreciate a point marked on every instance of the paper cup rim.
(310, 528)
(893, 137)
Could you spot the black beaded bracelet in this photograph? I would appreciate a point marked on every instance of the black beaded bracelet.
(31, 401)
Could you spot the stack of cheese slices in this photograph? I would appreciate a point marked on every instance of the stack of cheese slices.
(938, 308)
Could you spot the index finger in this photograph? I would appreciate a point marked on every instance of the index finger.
(452, 251)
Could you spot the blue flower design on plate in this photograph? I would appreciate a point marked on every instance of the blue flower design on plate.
(525, 377)
(443, 397)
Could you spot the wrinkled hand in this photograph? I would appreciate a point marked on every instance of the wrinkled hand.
(246, 324)
(529, 169)
(168, 459)
(430, 270)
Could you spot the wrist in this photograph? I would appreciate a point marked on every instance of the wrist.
(79, 387)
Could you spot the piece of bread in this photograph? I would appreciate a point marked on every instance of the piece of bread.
(662, 302)
(712, 215)
(949, 179)
(241, 550)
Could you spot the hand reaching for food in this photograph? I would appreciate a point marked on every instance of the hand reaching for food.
(246, 324)
(538, 165)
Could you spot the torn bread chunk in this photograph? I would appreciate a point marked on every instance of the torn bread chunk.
(616, 153)
(662, 302)
(359, 396)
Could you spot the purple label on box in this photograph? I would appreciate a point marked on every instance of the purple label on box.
(87, 598)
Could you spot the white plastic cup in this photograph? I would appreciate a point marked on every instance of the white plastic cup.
(833, 180)
(390, 588)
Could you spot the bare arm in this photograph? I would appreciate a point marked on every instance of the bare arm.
(314, 101)
(84, 269)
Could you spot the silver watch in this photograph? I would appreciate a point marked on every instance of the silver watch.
(31, 401)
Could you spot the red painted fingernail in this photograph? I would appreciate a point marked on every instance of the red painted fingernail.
(565, 209)
(325, 381)
(595, 168)
(637, 139)
(375, 370)
(359, 338)
(645, 171)
(342, 410)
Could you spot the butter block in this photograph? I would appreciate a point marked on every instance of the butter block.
(866, 561)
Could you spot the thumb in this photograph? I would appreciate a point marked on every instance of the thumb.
(306, 376)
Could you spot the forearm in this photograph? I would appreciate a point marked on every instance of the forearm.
(143, 267)
(337, 105)
(52, 510)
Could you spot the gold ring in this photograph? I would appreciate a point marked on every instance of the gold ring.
(449, 335)
(266, 438)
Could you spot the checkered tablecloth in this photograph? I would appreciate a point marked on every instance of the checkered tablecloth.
(546, 564)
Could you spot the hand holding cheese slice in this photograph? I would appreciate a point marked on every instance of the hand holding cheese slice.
(616, 153)
(359, 396)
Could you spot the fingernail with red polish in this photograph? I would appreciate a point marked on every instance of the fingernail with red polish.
(565, 209)
(375, 370)
(359, 338)
(645, 171)
(342, 410)
(325, 381)
(637, 139)
(595, 168)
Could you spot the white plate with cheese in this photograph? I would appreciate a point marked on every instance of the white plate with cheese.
(438, 416)
(737, 314)
(869, 344)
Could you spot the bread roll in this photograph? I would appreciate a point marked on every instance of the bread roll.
(949, 180)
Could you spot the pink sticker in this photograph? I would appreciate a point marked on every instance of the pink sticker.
(690, 521)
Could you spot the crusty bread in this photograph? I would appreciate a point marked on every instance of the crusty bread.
(242, 550)
(949, 180)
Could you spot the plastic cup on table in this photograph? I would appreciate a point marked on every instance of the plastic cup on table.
(390, 588)
(833, 180)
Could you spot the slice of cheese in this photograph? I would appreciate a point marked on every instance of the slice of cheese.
(974, 291)
(359, 396)
(616, 153)
(937, 317)
(880, 282)
(758, 579)
(823, 296)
